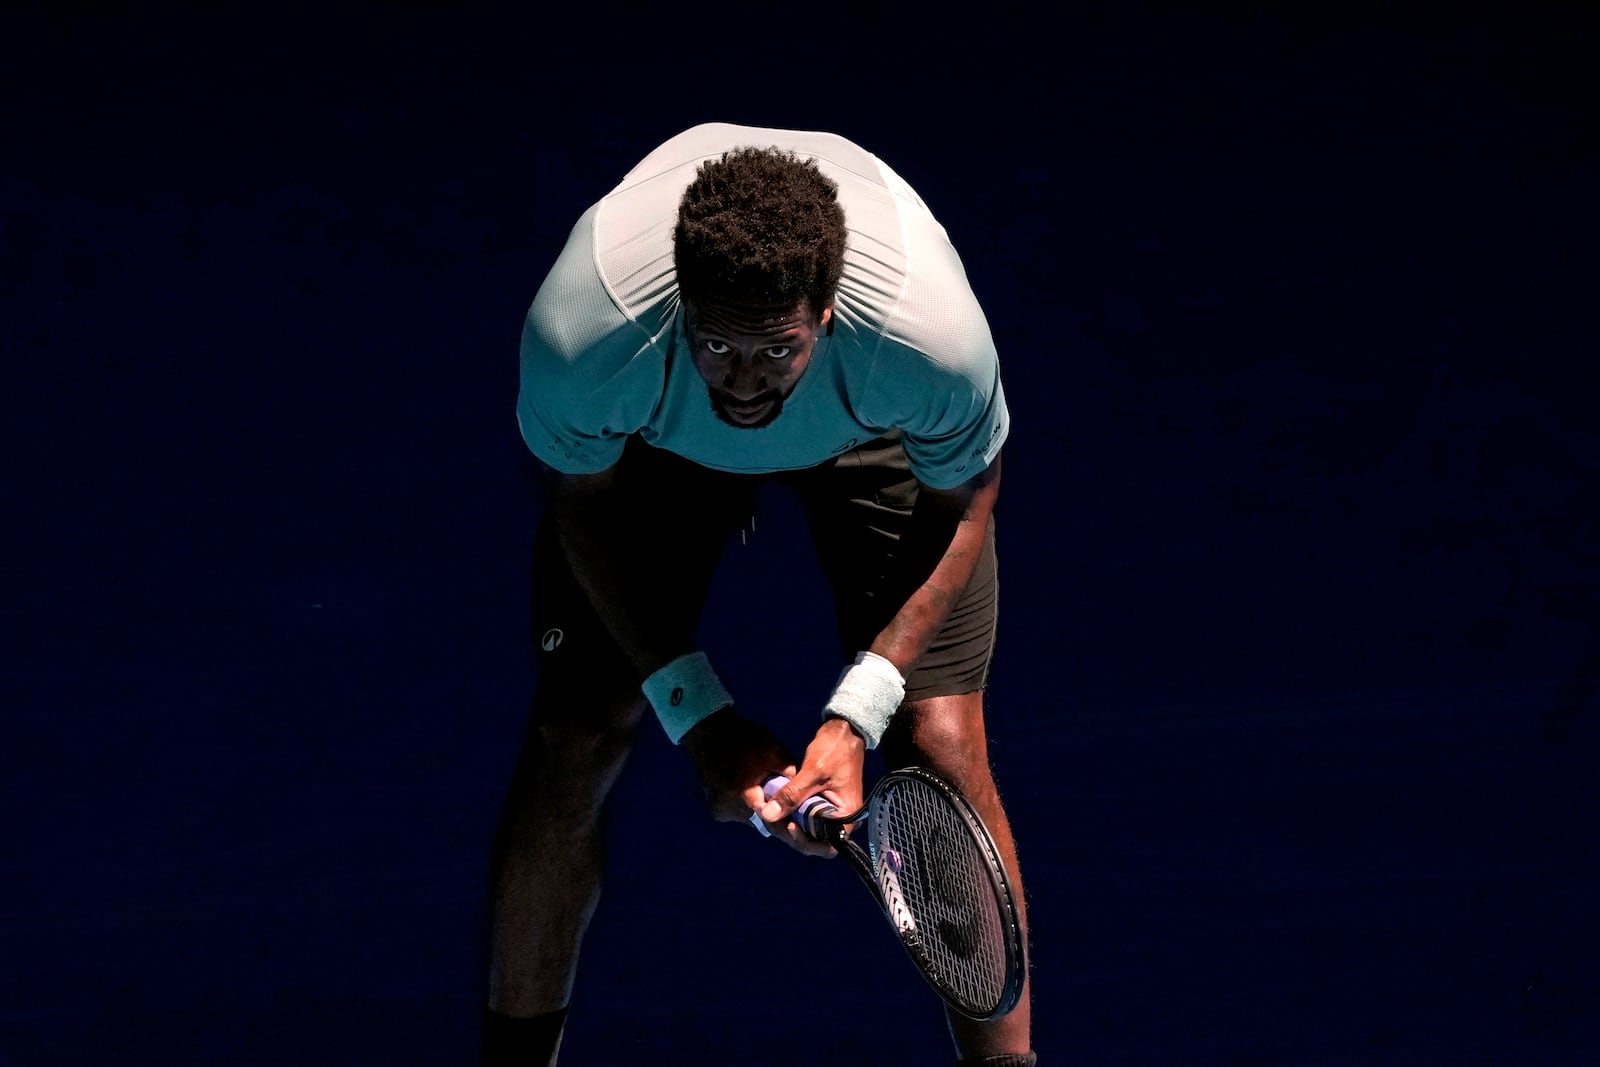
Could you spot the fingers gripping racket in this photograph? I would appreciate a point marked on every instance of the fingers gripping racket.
(933, 868)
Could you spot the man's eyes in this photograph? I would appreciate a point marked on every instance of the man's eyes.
(722, 348)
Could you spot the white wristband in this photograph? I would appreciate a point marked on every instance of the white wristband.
(867, 695)
(684, 692)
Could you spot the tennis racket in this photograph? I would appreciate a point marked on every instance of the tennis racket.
(933, 868)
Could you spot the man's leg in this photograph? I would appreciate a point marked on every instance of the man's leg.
(551, 848)
(945, 734)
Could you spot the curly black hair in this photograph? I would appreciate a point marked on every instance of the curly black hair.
(760, 227)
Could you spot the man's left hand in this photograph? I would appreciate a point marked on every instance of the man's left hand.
(832, 767)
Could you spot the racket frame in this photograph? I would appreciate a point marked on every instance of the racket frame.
(819, 818)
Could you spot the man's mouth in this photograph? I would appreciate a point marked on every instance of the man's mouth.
(746, 413)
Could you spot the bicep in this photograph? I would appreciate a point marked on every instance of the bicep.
(970, 499)
(564, 486)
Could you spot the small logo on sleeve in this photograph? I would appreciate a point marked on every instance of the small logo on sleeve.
(984, 448)
(552, 639)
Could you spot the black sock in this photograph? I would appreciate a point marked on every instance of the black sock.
(512, 1042)
(1026, 1059)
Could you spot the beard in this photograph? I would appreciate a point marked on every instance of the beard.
(774, 399)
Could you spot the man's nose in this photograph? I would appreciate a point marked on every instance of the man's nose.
(745, 377)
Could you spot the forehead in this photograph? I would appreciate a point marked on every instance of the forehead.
(729, 318)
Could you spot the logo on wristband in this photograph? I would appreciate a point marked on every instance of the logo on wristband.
(677, 697)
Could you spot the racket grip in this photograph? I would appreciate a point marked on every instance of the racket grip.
(810, 809)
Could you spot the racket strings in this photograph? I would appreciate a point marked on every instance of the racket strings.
(937, 880)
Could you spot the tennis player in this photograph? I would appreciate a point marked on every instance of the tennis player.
(747, 305)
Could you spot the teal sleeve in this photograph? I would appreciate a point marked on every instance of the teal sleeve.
(936, 371)
(589, 376)
(963, 441)
(951, 410)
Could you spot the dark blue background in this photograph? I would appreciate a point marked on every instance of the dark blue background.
(1298, 530)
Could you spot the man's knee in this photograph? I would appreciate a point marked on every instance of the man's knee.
(583, 748)
(575, 748)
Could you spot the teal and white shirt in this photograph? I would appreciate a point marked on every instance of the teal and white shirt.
(604, 354)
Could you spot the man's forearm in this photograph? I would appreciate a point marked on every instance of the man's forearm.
(933, 564)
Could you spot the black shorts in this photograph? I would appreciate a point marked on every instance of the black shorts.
(855, 508)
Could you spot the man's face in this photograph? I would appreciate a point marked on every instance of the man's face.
(752, 358)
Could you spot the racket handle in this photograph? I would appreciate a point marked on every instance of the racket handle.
(810, 809)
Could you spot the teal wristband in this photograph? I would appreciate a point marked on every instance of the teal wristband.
(684, 692)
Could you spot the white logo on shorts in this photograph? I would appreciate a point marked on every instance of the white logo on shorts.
(551, 639)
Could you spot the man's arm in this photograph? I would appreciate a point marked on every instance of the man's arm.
(936, 558)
